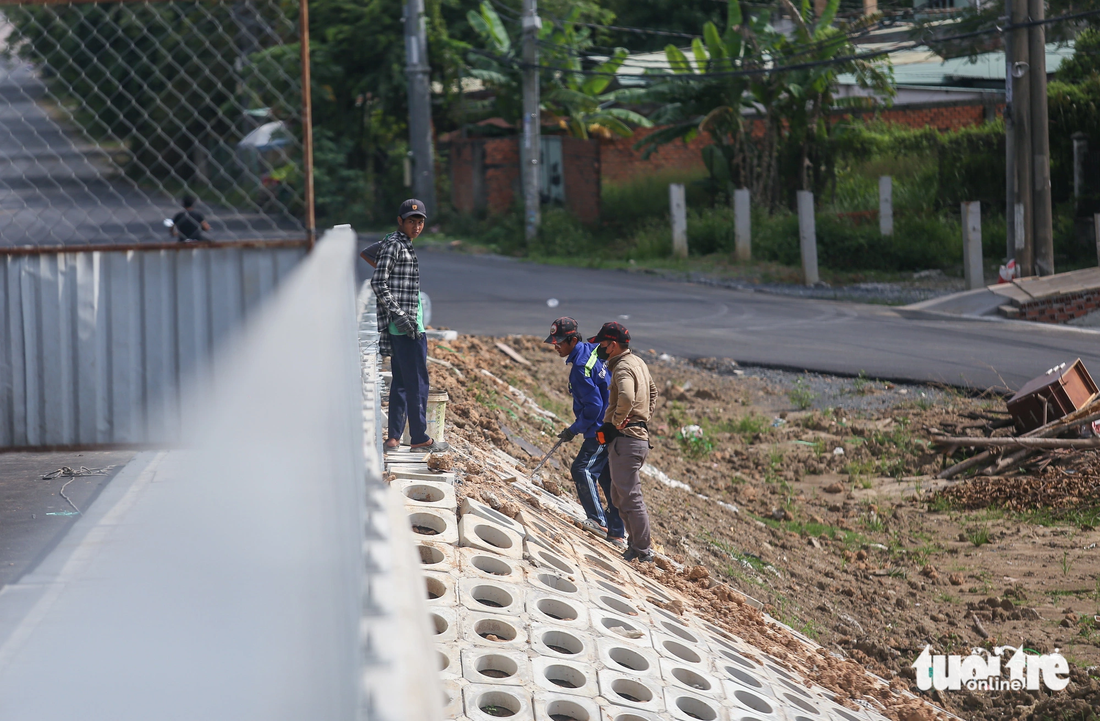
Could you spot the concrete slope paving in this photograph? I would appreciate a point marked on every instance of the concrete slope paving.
(492, 295)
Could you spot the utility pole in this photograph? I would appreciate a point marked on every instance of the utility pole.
(532, 141)
(1043, 218)
(1021, 126)
(1010, 145)
(420, 104)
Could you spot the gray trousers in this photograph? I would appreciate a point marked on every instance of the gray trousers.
(625, 456)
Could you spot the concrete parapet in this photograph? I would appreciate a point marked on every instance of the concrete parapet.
(477, 532)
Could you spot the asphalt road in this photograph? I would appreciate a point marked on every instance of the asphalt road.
(499, 296)
(33, 516)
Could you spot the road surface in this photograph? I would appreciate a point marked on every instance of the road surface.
(492, 295)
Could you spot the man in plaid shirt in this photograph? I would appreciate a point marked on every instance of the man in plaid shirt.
(396, 285)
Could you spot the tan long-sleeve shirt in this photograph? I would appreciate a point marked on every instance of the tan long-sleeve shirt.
(632, 395)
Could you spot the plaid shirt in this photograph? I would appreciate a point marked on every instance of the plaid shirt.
(396, 284)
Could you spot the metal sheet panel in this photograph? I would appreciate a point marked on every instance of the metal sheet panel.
(95, 346)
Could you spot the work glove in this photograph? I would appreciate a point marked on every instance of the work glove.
(407, 325)
(567, 435)
(607, 432)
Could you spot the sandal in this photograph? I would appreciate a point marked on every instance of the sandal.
(432, 446)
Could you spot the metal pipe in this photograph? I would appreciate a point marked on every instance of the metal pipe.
(307, 123)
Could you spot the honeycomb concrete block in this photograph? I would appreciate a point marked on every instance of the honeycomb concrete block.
(444, 624)
(724, 659)
(553, 582)
(686, 706)
(476, 532)
(430, 524)
(475, 562)
(494, 630)
(734, 678)
(439, 557)
(425, 475)
(453, 705)
(691, 679)
(599, 559)
(557, 610)
(555, 706)
(627, 659)
(477, 508)
(758, 705)
(498, 666)
(558, 675)
(622, 589)
(485, 702)
(622, 713)
(556, 561)
(661, 593)
(427, 494)
(644, 693)
(613, 603)
(440, 588)
(562, 642)
(839, 713)
(450, 665)
(681, 651)
(620, 628)
(669, 625)
(486, 596)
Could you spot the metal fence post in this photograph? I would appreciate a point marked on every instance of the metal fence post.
(972, 245)
(678, 211)
(807, 236)
(886, 205)
(742, 224)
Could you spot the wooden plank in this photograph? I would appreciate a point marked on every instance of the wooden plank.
(511, 353)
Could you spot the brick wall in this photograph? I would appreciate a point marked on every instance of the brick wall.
(502, 180)
(581, 163)
(1061, 308)
(942, 116)
(464, 155)
(621, 163)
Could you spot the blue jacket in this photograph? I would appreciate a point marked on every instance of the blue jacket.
(588, 386)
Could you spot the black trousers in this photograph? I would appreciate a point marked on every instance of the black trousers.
(409, 388)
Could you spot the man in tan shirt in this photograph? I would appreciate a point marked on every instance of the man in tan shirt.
(632, 399)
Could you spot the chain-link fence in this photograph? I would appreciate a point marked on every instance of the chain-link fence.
(113, 114)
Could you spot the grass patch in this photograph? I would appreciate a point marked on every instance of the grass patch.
(800, 396)
(977, 535)
(747, 426)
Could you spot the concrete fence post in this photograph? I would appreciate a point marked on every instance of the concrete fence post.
(678, 211)
(972, 245)
(742, 225)
(886, 205)
(807, 236)
(1096, 235)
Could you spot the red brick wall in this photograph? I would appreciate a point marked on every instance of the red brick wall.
(942, 117)
(1061, 308)
(621, 163)
(581, 163)
(502, 181)
(462, 175)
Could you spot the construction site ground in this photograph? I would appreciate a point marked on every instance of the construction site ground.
(817, 496)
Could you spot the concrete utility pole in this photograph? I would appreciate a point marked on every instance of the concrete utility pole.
(807, 236)
(742, 225)
(886, 205)
(973, 269)
(1010, 147)
(1043, 218)
(677, 207)
(1021, 125)
(420, 104)
(532, 140)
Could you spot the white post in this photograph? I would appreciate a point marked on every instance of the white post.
(972, 245)
(1019, 234)
(678, 211)
(807, 235)
(742, 225)
(1096, 234)
(886, 205)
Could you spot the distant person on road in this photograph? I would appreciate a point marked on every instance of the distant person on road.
(632, 398)
(588, 386)
(189, 223)
(396, 284)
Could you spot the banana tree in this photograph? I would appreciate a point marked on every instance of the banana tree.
(578, 96)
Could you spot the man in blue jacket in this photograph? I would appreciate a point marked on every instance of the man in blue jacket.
(588, 386)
